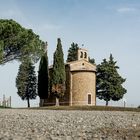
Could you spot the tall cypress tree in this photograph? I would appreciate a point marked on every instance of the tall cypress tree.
(72, 52)
(58, 73)
(109, 82)
(43, 78)
(26, 81)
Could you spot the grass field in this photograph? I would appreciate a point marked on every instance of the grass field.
(4, 107)
(88, 108)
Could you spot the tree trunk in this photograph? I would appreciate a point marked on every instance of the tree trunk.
(28, 102)
(41, 102)
(57, 101)
(106, 103)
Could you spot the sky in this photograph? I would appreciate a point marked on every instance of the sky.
(103, 26)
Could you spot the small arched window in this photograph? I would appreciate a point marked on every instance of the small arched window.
(85, 55)
(81, 56)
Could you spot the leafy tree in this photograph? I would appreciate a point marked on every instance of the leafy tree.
(58, 73)
(43, 78)
(72, 52)
(26, 81)
(17, 42)
(109, 82)
(92, 60)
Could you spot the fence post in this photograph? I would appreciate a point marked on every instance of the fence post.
(4, 103)
(10, 101)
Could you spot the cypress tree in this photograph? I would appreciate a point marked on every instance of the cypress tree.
(58, 73)
(109, 82)
(43, 78)
(26, 81)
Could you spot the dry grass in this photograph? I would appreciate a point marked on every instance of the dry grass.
(4, 107)
(88, 108)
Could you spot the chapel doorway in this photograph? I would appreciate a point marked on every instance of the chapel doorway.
(89, 99)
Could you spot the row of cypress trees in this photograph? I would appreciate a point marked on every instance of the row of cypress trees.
(54, 83)
(26, 80)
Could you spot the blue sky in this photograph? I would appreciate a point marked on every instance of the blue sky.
(103, 26)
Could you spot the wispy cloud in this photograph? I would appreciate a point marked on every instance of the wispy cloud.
(10, 13)
(49, 27)
(126, 10)
(45, 28)
(10, 9)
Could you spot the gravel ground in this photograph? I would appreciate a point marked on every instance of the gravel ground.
(23, 124)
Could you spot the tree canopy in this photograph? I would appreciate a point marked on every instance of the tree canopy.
(109, 82)
(16, 42)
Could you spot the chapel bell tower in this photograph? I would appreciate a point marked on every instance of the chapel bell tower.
(83, 54)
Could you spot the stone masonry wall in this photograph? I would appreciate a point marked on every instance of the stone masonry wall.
(83, 84)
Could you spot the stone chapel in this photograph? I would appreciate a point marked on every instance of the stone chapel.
(80, 83)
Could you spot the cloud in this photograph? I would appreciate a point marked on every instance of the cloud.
(10, 9)
(46, 27)
(10, 13)
(50, 27)
(126, 10)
